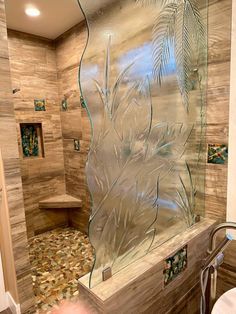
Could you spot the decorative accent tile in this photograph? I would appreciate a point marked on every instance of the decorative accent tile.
(217, 153)
(31, 139)
(40, 105)
(175, 265)
(64, 105)
(77, 145)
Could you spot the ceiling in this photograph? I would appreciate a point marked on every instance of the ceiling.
(57, 16)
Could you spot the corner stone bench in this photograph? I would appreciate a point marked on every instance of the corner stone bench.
(62, 201)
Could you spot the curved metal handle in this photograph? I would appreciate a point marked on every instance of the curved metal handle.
(213, 234)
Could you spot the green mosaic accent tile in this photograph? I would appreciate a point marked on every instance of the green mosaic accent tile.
(217, 154)
(175, 265)
(29, 140)
(40, 105)
(77, 145)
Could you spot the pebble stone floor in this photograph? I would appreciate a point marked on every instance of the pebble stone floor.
(58, 259)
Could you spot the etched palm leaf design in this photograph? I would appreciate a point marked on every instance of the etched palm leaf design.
(120, 204)
(159, 3)
(185, 197)
(178, 26)
(126, 195)
(168, 140)
(163, 39)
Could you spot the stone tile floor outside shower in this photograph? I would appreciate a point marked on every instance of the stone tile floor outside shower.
(58, 259)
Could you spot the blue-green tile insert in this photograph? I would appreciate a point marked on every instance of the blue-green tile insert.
(77, 145)
(217, 154)
(64, 105)
(40, 105)
(175, 265)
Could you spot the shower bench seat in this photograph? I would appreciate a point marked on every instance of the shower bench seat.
(61, 202)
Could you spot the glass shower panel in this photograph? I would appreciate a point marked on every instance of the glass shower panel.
(143, 80)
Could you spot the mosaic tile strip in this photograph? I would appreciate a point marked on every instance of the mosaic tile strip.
(175, 265)
(40, 105)
(217, 154)
(58, 259)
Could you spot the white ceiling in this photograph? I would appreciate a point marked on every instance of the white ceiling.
(57, 16)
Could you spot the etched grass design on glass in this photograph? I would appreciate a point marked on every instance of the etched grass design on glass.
(121, 203)
(144, 171)
(186, 198)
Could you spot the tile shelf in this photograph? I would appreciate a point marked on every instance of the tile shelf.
(62, 201)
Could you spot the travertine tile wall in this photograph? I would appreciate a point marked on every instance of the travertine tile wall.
(44, 69)
(5, 239)
(13, 184)
(34, 71)
(219, 38)
(219, 48)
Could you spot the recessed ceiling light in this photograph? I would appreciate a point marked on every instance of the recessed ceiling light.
(32, 12)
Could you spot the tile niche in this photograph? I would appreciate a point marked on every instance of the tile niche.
(32, 140)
